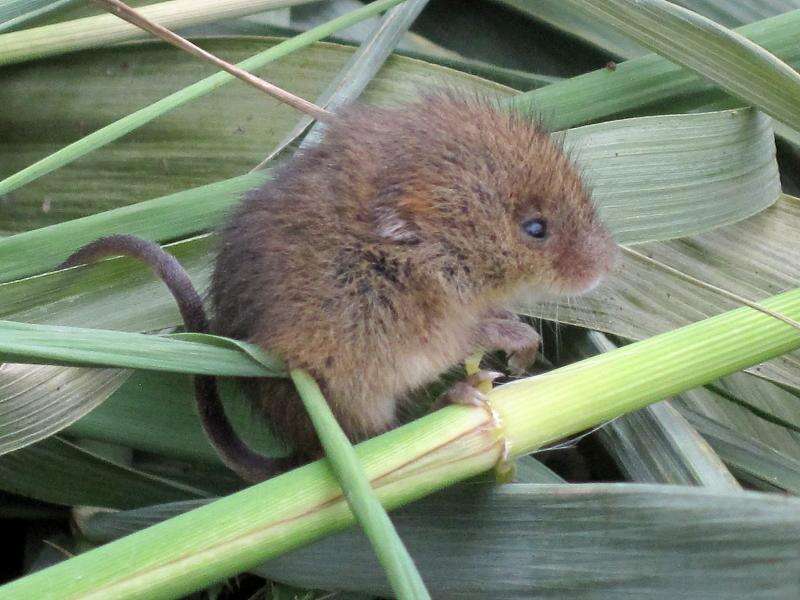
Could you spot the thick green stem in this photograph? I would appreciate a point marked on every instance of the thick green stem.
(240, 531)
(603, 387)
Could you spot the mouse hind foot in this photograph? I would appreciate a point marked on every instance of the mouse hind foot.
(467, 392)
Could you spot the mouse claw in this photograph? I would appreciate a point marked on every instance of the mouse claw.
(483, 376)
(504, 331)
(464, 393)
(520, 360)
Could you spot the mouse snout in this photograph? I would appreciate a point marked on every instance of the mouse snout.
(585, 264)
(610, 256)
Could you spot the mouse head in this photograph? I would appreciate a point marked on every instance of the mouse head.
(495, 193)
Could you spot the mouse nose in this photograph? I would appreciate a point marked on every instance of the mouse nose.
(614, 255)
(590, 258)
(600, 249)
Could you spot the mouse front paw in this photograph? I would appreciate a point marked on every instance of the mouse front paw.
(507, 333)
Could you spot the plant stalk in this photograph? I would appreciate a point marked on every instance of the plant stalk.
(240, 531)
(392, 554)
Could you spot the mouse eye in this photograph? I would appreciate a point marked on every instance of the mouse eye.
(536, 228)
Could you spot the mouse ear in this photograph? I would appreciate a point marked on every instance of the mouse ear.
(393, 226)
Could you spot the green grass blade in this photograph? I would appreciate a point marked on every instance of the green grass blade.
(61, 472)
(593, 96)
(105, 290)
(359, 70)
(235, 533)
(513, 78)
(658, 445)
(731, 14)
(790, 424)
(394, 558)
(757, 463)
(643, 172)
(730, 402)
(741, 393)
(738, 65)
(176, 353)
(226, 133)
(13, 8)
(42, 400)
(530, 470)
(155, 412)
(517, 79)
(642, 81)
(39, 400)
(169, 217)
(105, 29)
(15, 14)
(575, 21)
(744, 343)
(127, 124)
(557, 541)
(101, 528)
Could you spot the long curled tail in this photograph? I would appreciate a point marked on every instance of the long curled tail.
(233, 451)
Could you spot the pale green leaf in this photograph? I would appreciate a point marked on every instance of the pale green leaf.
(640, 82)
(106, 29)
(575, 21)
(155, 412)
(398, 565)
(757, 463)
(58, 471)
(379, 42)
(198, 89)
(729, 59)
(16, 13)
(652, 177)
(200, 353)
(223, 136)
(38, 401)
(557, 541)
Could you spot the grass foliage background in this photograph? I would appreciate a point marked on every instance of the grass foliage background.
(661, 502)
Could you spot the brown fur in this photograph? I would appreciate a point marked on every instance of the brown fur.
(372, 259)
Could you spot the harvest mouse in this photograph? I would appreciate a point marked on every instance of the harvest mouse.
(384, 256)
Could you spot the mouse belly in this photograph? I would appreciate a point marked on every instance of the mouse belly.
(359, 408)
(368, 397)
(363, 389)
